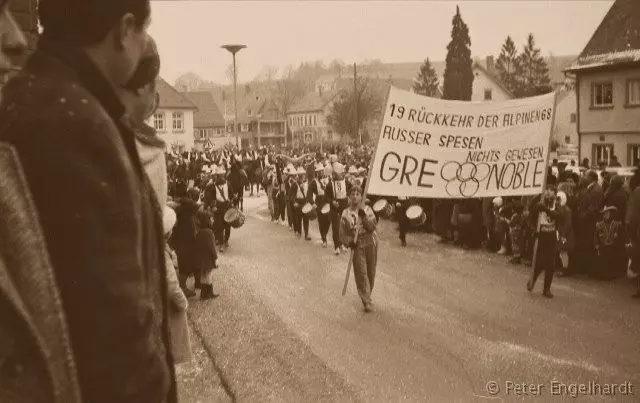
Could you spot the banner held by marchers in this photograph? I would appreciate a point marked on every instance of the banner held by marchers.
(434, 148)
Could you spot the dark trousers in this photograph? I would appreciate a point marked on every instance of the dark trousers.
(290, 214)
(336, 215)
(222, 229)
(275, 196)
(300, 221)
(403, 223)
(324, 222)
(545, 259)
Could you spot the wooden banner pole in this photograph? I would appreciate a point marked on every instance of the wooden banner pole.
(364, 195)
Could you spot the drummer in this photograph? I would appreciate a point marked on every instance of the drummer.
(221, 205)
(301, 189)
(316, 196)
(359, 221)
(402, 204)
(290, 183)
(336, 194)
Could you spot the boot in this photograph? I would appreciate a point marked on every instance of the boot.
(207, 292)
(183, 286)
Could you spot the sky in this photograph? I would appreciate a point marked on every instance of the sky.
(189, 33)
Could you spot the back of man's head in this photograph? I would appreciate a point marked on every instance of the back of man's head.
(87, 22)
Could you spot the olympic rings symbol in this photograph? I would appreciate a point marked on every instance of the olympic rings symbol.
(463, 179)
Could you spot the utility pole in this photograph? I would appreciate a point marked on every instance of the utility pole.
(355, 100)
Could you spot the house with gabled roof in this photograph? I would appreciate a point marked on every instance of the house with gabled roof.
(260, 121)
(307, 118)
(607, 75)
(173, 119)
(208, 121)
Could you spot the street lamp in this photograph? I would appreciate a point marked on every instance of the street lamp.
(235, 49)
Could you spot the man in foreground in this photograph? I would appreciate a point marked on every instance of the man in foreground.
(100, 219)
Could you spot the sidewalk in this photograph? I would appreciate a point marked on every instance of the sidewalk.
(198, 381)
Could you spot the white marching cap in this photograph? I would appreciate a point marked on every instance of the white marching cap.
(497, 202)
(168, 219)
(563, 198)
(338, 168)
(319, 167)
(290, 169)
(328, 170)
(301, 171)
(353, 170)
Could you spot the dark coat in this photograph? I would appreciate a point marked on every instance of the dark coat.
(33, 330)
(100, 220)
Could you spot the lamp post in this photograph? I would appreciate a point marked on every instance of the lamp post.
(235, 49)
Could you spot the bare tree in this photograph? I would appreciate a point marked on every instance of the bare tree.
(286, 92)
(368, 96)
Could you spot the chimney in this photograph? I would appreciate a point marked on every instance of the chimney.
(490, 67)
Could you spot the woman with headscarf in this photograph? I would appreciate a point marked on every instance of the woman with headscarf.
(616, 196)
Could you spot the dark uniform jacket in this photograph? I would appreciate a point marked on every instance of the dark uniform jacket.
(101, 223)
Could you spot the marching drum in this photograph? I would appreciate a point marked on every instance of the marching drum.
(324, 210)
(309, 211)
(234, 217)
(383, 208)
(416, 215)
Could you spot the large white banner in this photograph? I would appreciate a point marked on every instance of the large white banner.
(454, 149)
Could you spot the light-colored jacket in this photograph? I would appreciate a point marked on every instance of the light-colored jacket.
(178, 304)
(33, 332)
(151, 150)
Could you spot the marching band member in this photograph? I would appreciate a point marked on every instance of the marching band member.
(363, 172)
(301, 188)
(402, 204)
(279, 196)
(317, 196)
(290, 194)
(359, 218)
(336, 192)
(222, 205)
(210, 189)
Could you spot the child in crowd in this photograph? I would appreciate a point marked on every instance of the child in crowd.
(609, 245)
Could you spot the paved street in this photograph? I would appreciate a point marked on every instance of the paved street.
(446, 323)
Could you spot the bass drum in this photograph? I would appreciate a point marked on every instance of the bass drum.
(383, 208)
(416, 215)
(309, 211)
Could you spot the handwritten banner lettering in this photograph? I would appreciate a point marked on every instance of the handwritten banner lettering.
(453, 149)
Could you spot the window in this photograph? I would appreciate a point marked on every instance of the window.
(573, 118)
(602, 94)
(158, 121)
(634, 154)
(633, 92)
(244, 128)
(602, 153)
(178, 121)
(567, 140)
(487, 94)
(249, 113)
(315, 120)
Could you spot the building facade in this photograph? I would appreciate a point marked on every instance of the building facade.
(173, 120)
(260, 122)
(607, 75)
(208, 122)
(308, 119)
(486, 86)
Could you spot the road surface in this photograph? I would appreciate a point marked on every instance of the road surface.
(449, 325)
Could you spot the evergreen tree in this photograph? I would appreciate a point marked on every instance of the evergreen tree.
(507, 65)
(458, 74)
(533, 72)
(427, 81)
